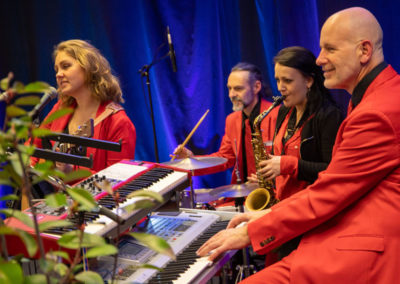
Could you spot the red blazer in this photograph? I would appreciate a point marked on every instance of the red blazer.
(233, 131)
(350, 216)
(112, 128)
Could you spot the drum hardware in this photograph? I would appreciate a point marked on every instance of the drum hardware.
(197, 163)
(197, 166)
(234, 190)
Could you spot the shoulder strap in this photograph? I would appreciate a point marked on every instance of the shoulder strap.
(111, 108)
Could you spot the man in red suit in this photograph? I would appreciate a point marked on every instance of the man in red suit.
(350, 217)
(247, 93)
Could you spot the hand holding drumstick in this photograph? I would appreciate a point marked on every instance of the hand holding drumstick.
(182, 152)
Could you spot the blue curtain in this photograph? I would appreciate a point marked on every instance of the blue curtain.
(209, 36)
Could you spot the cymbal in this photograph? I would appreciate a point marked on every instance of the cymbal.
(203, 195)
(196, 163)
(234, 190)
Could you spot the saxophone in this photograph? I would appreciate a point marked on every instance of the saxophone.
(264, 196)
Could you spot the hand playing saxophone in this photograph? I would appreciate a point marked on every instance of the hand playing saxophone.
(269, 169)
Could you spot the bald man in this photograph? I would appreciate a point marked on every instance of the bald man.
(350, 217)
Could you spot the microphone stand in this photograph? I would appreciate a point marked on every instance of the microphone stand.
(144, 72)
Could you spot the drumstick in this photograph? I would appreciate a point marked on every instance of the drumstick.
(191, 133)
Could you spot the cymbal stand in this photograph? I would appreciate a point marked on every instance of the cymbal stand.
(239, 202)
(184, 193)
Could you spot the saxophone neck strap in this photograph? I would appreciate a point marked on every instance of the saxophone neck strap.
(111, 108)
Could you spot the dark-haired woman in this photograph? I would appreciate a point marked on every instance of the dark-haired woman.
(306, 126)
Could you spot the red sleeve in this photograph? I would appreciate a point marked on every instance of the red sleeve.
(358, 165)
(120, 127)
(226, 150)
(289, 165)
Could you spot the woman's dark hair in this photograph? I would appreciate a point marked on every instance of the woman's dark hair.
(255, 75)
(303, 60)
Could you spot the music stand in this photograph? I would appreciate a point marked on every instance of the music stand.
(84, 161)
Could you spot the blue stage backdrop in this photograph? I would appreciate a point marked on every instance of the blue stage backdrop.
(209, 36)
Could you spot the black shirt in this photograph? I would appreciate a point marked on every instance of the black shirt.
(363, 85)
(253, 115)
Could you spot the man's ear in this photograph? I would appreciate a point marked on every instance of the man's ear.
(366, 48)
(257, 87)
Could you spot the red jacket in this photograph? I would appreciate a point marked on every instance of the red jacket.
(350, 216)
(113, 128)
(233, 132)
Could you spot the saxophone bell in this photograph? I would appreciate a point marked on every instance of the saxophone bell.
(258, 199)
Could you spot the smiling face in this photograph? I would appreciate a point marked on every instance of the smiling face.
(70, 75)
(242, 92)
(341, 55)
(292, 84)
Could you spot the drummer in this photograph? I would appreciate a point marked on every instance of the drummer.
(248, 94)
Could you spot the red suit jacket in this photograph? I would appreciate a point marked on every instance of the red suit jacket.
(113, 128)
(233, 132)
(350, 216)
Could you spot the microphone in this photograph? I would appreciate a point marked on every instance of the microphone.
(7, 96)
(46, 98)
(171, 51)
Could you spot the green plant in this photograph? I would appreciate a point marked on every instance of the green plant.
(16, 171)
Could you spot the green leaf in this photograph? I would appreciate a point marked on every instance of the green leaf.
(42, 132)
(77, 268)
(6, 181)
(13, 111)
(147, 193)
(71, 240)
(18, 215)
(61, 269)
(101, 250)
(13, 174)
(53, 223)
(27, 149)
(27, 101)
(5, 230)
(11, 272)
(35, 279)
(10, 197)
(89, 277)
(46, 265)
(43, 167)
(149, 266)
(29, 241)
(4, 83)
(75, 175)
(83, 197)
(57, 114)
(144, 266)
(106, 186)
(155, 243)
(56, 200)
(59, 253)
(19, 87)
(140, 204)
(16, 165)
(36, 87)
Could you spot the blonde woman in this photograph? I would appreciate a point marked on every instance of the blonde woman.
(86, 84)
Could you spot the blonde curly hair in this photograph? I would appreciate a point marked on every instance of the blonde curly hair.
(103, 85)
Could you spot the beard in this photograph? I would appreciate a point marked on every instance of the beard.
(237, 104)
